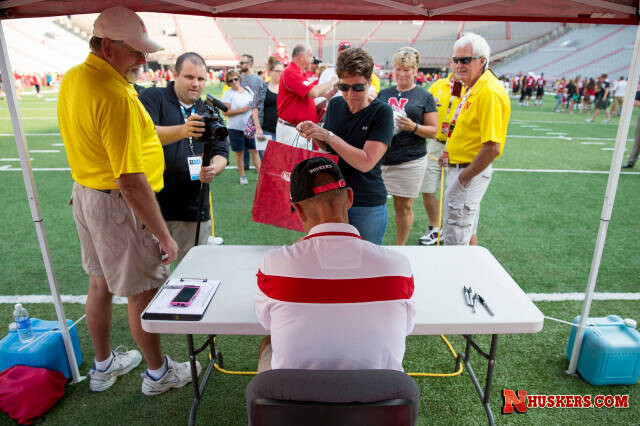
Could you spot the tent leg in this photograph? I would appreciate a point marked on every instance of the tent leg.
(34, 204)
(609, 198)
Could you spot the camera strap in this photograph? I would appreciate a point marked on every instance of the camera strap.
(186, 117)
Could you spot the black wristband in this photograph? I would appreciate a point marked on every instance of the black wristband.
(415, 128)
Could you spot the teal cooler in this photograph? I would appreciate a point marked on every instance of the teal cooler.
(610, 353)
(47, 352)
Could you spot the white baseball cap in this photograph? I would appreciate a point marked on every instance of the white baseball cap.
(120, 23)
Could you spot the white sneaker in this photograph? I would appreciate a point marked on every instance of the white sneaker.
(123, 361)
(177, 375)
(589, 120)
(244, 180)
(608, 120)
(430, 237)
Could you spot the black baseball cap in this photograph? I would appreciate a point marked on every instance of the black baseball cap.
(301, 184)
(317, 61)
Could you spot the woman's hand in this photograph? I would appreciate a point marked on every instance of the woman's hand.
(405, 123)
(310, 130)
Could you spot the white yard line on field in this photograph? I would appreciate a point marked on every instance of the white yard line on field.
(10, 135)
(597, 172)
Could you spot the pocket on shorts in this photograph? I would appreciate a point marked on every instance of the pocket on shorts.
(460, 220)
(109, 224)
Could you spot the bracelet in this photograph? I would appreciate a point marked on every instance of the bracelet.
(415, 129)
(329, 137)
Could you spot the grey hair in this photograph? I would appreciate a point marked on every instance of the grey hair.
(298, 49)
(478, 44)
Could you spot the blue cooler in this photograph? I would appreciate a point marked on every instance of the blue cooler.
(610, 353)
(47, 352)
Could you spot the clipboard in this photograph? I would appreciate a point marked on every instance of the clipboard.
(160, 307)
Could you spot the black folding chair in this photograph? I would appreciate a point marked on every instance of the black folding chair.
(332, 397)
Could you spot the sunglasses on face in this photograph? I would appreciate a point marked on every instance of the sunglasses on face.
(131, 50)
(233, 79)
(464, 59)
(360, 87)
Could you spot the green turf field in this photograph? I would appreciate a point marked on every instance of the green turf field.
(539, 223)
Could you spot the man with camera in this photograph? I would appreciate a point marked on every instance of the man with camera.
(332, 300)
(176, 112)
(116, 162)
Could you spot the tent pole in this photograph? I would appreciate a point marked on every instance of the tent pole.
(34, 204)
(609, 198)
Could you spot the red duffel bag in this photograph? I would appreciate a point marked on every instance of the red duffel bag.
(27, 393)
(272, 203)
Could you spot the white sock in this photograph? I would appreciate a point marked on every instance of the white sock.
(157, 374)
(103, 365)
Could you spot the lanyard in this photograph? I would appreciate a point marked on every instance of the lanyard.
(457, 112)
(451, 82)
(184, 114)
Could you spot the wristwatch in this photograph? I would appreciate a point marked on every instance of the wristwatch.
(329, 136)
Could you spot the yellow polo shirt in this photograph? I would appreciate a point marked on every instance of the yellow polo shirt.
(483, 118)
(106, 131)
(441, 90)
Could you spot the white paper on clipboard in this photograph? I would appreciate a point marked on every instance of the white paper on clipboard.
(161, 304)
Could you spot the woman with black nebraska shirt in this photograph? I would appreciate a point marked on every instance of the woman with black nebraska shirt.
(359, 131)
(417, 118)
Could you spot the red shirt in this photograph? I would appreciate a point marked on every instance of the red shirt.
(294, 105)
(530, 81)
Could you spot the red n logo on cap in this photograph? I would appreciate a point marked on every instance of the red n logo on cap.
(144, 29)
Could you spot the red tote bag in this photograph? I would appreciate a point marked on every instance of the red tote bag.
(272, 203)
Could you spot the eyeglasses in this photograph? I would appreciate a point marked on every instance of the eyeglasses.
(464, 59)
(360, 87)
(132, 51)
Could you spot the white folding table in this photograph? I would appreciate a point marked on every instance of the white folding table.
(440, 273)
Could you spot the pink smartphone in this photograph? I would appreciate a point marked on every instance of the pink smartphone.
(186, 295)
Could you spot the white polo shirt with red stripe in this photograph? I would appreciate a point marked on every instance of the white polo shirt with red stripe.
(336, 301)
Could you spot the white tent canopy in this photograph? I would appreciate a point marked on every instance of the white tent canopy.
(585, 11)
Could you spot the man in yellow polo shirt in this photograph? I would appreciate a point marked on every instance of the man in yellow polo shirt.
(117, 164)
(476, 137)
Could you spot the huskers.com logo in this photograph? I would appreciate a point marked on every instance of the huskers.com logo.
(519, 401)
(286, 176)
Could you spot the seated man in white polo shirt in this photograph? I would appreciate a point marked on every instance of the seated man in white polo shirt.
(332, 300)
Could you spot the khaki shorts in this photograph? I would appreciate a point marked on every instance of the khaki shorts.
(462, 206)
(433, 172)
(115, 243)
(185, 235)
(404, 179)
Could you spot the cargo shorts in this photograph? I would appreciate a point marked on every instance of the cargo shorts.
(462, 206)
(115, 243)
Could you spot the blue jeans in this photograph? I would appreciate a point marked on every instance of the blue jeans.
(371, 222)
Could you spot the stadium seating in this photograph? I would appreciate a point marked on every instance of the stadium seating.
(585, 51)
(40, 45)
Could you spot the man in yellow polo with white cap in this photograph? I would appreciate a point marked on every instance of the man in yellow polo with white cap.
(117, 164)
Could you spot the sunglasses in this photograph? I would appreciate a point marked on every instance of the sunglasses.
(233, 79)
(464, 59)
(131, 50)
(360, 87)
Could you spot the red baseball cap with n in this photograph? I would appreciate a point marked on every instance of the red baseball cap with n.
(120, 23)
(344, 45)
